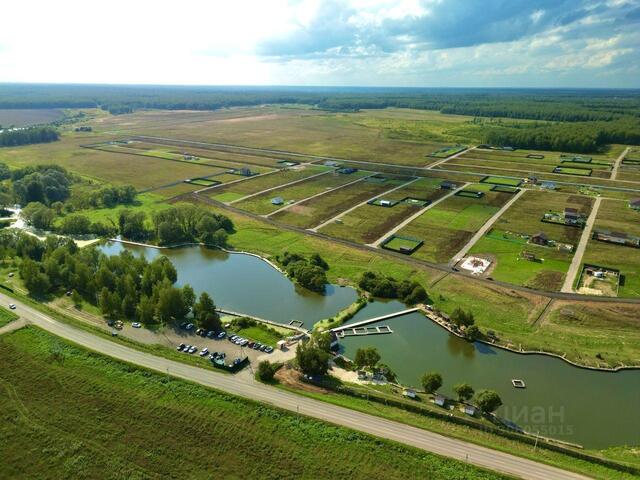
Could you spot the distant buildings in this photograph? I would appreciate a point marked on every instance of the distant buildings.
(83, 128)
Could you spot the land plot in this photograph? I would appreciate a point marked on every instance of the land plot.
(616, 216)
(447, 151)
(25, 117)
(406, 245)
(256, 184)
(368, 223)
(262, 204)
(516, 261)
(448, 226)
(179, 189)
(573, 171)
(313, 212)
(509, 182)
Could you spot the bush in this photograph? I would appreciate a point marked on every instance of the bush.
(388, 287)
(267, 370)
(431, 382)
(488, 401)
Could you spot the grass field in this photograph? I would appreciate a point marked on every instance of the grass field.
(25, 117)
(401, 244)
(6, 316)
(67, 412)
(256, 184)
(368, 223)
(509, 182)
(448, 226)
(616, 216)
(573, 171)
(445, 152)
(313, 212)
(262, 205)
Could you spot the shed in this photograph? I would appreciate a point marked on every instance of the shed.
(277, 201)
(447, 185)
(539, 239)
(469, 410)
(282, 344)
(440, 400)
(347, 170)
(385, 203)
(331, 163)
(571, 215)
(548, 185)
(409, 392)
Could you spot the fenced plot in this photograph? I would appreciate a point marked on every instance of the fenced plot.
(445, 152)
(573, 171)
(598, 280)
(469, 194)
(311, 213)
(508, 182)
(204, 182)
(504, 189)
(402, 244)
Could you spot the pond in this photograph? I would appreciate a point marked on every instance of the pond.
(591, 408)
(246, 284)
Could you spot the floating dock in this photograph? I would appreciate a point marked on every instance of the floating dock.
(373, 320)
(360, 331)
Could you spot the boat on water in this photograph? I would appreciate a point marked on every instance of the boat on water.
(517, 383)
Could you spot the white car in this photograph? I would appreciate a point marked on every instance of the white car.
(204, 351)
(12, 306)
(136, 325)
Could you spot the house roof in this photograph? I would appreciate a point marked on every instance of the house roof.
(539, 235)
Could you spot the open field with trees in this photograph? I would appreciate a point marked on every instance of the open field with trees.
(448, 226)
(94, 397)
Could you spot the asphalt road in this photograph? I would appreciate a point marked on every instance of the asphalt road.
(246, 387)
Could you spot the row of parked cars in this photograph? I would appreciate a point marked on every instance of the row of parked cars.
(243, 342)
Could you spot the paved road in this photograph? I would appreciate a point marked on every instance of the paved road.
(485, 228)
(247, 387)
(616, 165)
(576, 262)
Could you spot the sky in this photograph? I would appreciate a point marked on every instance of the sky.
(405, 43)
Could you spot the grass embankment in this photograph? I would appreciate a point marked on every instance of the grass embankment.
(6, 316)
(470, 434)
(68, 412)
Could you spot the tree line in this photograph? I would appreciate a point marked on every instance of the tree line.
(27, 136)
(409, 292)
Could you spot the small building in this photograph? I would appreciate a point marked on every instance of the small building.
(539, 239)
(347, 170)
(282, 344)
(469, 410)
(409, 393)
(634, 203)
(565, 247)
(532, 180)
(447, 185)
(548, 185)
(385, 203)
(571, 216)
(277, 201)
(331, 163)
(245, 172)
(83, 128)
(618, 238)
(440, 400)
(528, 256)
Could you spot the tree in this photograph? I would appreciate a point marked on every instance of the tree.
(312, 359)
(76, 298)
(266, 371)
(205, 313)
(170, 304)
(431, 382)
(38, 215)
(75, 225)
(36, 281)
(472, 332)
(366, 357)
(145, 311)
(189, 296)
(488, 401)
(462, 318)
(464, 391)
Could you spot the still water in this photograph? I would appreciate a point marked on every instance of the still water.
(594, 409)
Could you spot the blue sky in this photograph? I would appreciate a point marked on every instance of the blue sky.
(430, 43)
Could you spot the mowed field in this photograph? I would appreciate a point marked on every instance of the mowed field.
(262, 204)
(616, 216)
(448, 226)
(256, 184)
(313, 212)
(504, 243)
(368, 223)
(24, 117)
(116, 168)
(389, 135)
(71, 413)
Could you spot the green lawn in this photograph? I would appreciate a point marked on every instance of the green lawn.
(397, 244)
(572, 171)
(71, 413)
(6, 316)
(509, 182)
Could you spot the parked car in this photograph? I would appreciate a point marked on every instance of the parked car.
(211, 334)
(186, 348)
(114, 333)
(268, 349)
(251, 344)
(204, 351)
(232, 338)
(263, 348)
(193, 349)
(198, 331)
(221, 335)
(257, 346)
(12, 306)
(111, 323)
(244, 342)
(180, 347)
(183, 325)
(136, 325)
(189, 326)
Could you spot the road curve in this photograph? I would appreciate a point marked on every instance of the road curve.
(248, 388)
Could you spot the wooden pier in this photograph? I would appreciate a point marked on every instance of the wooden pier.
(263, 320)
(373, 320)
(360, 331)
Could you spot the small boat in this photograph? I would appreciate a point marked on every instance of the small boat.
(516, 382)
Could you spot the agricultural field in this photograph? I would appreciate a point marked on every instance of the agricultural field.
(67, 413)
(26, 117)
(313, 212)
(6, 316)
(368, 223)
(257, 184)
(261, 204)
(616, 216)
(448, 226)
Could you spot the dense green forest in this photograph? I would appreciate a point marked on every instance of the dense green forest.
(584, 120)
(26, 136)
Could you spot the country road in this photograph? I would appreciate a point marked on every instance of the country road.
(246, 387)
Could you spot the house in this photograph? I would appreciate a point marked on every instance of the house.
(634, 203)
(539, 239)
(447, 185)
(571, 216)
(277, 201)
(440, 400)
(469, 410)
(409, 392)
(245, 172)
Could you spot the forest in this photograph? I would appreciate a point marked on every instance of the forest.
(26, 136)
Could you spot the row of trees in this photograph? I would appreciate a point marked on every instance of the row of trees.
(310, 273)
(102, 197)
(190, 223)
(410, 292)
(27, 136)
(122, 286)
(487, 400)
